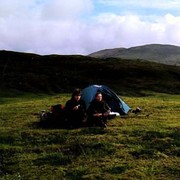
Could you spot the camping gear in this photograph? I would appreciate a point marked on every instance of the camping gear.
(115, 103)
(56, 117)
(137, 110)
(57, 110)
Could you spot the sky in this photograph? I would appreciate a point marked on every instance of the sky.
(86, 26)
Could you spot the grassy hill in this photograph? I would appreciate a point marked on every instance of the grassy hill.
(139, 146)
(166, 54)
(58, 73)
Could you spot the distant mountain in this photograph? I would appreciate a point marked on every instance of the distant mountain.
(165, 54)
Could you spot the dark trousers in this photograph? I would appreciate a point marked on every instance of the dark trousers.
(98, 121)
(77, 119)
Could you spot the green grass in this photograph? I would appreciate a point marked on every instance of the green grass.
(143, 146)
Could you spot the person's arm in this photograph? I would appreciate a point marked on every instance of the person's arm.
(92, 111)
(75, 108)
(82, 106)
(69, 105)
(107, 109)
(98, 114)
(95, 113)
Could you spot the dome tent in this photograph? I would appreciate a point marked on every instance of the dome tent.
(115, 103)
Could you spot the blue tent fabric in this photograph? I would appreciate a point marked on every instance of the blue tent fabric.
(116, 104)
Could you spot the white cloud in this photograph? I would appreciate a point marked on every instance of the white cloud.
(130, 30)
(17, 8)
(70, 9)
(53, 26)
(50, 9)
(158, 4)
(45, 27)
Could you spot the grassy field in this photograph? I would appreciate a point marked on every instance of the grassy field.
(143, 146)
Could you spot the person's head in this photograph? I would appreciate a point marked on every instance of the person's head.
(76, 95)
(98, 96)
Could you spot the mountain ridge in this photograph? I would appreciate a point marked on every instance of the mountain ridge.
(161, 53)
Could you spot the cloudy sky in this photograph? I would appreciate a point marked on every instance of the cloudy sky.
(86, 26)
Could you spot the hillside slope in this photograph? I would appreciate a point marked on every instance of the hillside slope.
(166, 54)
(57, 73)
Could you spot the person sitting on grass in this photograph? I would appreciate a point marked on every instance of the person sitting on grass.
(98, 111)
(76, 110)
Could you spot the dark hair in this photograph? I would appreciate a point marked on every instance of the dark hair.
(76, 92)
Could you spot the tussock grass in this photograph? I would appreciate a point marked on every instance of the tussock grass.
(140, 146)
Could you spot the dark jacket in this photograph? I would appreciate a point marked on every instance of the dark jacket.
(72, 103)
(98, 107)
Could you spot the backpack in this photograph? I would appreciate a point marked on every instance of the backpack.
(57, 110)
(55, 118)
(45, 116)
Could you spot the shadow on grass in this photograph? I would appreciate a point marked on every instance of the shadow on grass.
(94, 130)
(155, 144)
(36, 138)
(118, 169)
(53, 159)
